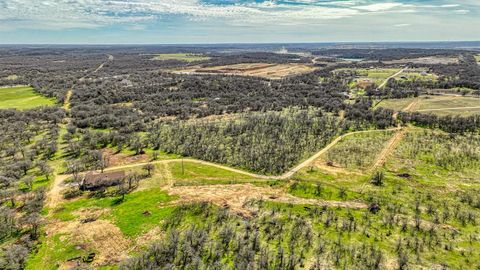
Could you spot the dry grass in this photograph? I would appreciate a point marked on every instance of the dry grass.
(264, 70)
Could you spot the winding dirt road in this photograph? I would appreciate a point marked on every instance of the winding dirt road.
(55, 197)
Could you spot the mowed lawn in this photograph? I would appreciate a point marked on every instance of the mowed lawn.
(22, 97)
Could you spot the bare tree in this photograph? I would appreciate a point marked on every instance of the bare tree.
(148, 168)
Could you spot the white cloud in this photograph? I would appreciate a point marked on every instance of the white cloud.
(135, 14)
(380, 7)
(461, 11)
(450, 5)
(402, 25)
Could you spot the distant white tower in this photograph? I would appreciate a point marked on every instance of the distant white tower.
(283, 50)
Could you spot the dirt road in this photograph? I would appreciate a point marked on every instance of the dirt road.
(391, 145)
(55, 196)
(391, 77)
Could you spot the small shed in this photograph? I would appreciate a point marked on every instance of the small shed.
(95, 181)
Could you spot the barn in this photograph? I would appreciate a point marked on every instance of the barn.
(95, 181)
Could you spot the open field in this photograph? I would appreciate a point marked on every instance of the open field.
(477, 57)
(369, 77)
(185, 57)
(356, 152)
(22, 97)
(271, 71)
(440, 105)
(416, 74)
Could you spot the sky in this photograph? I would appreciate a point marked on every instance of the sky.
(236, 21)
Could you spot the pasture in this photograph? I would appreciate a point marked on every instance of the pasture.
(22, 97)
(270, 71)
(368, 77)
(417, 74)
(184, 57)
(440, 105)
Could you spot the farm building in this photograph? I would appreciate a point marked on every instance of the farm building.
(95, 181)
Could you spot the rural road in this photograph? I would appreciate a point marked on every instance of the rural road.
(68, 96)
(55, 197)
(391, 77)
(286, 175)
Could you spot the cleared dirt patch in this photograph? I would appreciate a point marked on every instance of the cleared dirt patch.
(235, 197)
(118, 159)
(265, 70)
(106, 239)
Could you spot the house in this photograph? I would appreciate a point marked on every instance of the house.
(96, 181)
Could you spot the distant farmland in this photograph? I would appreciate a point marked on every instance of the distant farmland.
(270, 71)
(440, 105)
(185, 57)
(22, 97)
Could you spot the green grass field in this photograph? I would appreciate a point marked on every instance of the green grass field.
(22, 97)
(199, 174)
(395, 104)
(415, 75)
(377, 74)
(440, 105)
(477, 57)
(185, 57)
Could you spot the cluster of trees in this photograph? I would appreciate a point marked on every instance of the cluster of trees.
(28, 139)
(386, 54)
(109, 103)
(448, 123)
(465, 74)
(269, 142)
(290, 237)
(456, 153)
(220, 59)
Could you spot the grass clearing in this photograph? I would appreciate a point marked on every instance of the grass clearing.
(200, 174)
(358, 151)
(22, 97)
(127, 215)
(12, 77)
(395, 104)
(185, 57)
(264, 70)
(416, 75)
(53, 251)
(440, 105)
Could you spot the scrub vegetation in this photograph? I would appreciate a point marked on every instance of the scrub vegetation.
(112, 160)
